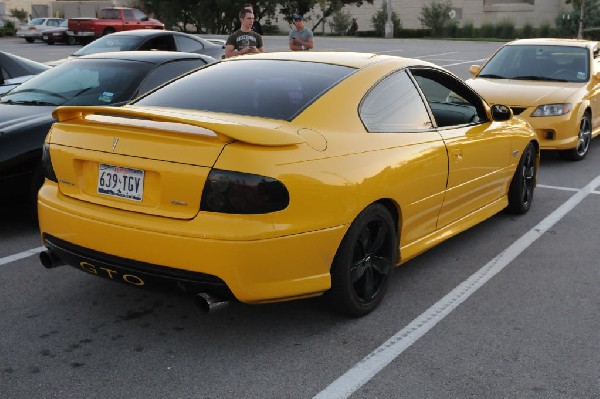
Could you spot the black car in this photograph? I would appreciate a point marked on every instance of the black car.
(15, 70)
(99, 79)
(151, 39)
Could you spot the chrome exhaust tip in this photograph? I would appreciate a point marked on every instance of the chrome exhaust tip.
(209, 303)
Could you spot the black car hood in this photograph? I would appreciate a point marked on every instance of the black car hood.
(12, 116)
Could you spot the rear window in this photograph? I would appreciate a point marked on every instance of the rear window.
(277, 89)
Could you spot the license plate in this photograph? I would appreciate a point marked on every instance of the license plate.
(118, 181)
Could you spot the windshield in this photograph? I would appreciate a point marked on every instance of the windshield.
(530, 62)
(276, 89)
(82, 82)
(110, 43)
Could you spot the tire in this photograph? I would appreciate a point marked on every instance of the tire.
(108, 31)
(364, 262)
(583, 145)
(29, 39)
(520, 192)
(71, 40)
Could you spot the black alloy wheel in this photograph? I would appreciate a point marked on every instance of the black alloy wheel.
(520, 193)
(364, 262)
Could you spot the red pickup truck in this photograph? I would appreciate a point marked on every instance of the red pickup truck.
(110, 20)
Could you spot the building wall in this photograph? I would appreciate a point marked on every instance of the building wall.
(477, 12)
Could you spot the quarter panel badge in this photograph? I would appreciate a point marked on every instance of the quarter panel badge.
(115, 142)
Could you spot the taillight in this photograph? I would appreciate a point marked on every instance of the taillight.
(242, 193)
(47, 164)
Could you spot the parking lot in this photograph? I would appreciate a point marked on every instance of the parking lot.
(507, 309)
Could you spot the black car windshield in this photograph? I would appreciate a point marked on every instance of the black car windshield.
(539, 62)
(110, 43)
(277, 89)
(82, 82)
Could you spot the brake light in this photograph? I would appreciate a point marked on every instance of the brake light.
(47, 164)
(242, 193)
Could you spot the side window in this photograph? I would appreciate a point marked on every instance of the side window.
(451, 102)
(162, 43)
(128, 15)
(394, 105)
(188, 45)
(168, 71)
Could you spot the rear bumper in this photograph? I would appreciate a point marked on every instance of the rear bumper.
(90, 238)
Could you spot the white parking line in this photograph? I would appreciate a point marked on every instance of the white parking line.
(20, 255)
(374, 362)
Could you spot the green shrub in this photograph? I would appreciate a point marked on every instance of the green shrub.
(340, 22)
(487, 30)
(528, 30)
(451, 29)
(467, 29)
(435, 17)
(545, 29)
(269, 28)
(380, 18)
(505, 29)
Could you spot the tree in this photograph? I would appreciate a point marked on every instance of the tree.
(436, 17)
(572, 24)
(379, 19)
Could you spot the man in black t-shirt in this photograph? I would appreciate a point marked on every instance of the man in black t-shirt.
(244, 40)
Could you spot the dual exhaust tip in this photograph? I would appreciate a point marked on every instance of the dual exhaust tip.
(205, 301)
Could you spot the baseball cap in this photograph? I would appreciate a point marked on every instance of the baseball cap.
(298, 17)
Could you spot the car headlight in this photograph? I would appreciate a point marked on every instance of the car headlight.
(552, 109)
(242, 193)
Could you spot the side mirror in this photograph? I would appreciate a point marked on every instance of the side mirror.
(474, 69)
(501, 113)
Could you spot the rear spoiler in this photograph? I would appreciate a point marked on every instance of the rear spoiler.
(267, 133)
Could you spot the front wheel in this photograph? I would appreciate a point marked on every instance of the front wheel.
(29, 39)
(583, 142)
(520, 193)
(362, 266)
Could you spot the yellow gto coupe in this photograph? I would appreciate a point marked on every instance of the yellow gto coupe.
(554, 84)
(279, 176)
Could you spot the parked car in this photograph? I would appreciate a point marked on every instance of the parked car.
(279, 176)
(34, 28)
(551, 83)
(15, 70)
(57, 35)
(148, 39)
(114, 19)
(107, 79)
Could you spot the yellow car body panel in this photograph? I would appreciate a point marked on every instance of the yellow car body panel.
(331, 165)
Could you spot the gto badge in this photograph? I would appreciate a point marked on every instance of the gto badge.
(111, 273)
(115, 142)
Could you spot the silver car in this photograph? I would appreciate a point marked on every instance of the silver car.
(34, 28)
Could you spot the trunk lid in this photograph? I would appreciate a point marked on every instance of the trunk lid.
(146, 160)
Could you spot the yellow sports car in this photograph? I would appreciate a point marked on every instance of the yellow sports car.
(278, 176)
(554, 84)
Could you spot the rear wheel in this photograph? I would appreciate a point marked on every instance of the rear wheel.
(362, 266)
(583, 143)
(29, 39)
(520, 193)
(108, 31)
(71, 40)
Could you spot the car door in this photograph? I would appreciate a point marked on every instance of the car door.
(398, 121)
(479, 152)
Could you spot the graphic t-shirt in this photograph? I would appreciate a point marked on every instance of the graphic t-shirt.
(240, 40)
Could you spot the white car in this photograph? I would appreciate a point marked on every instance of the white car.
(34, 28)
